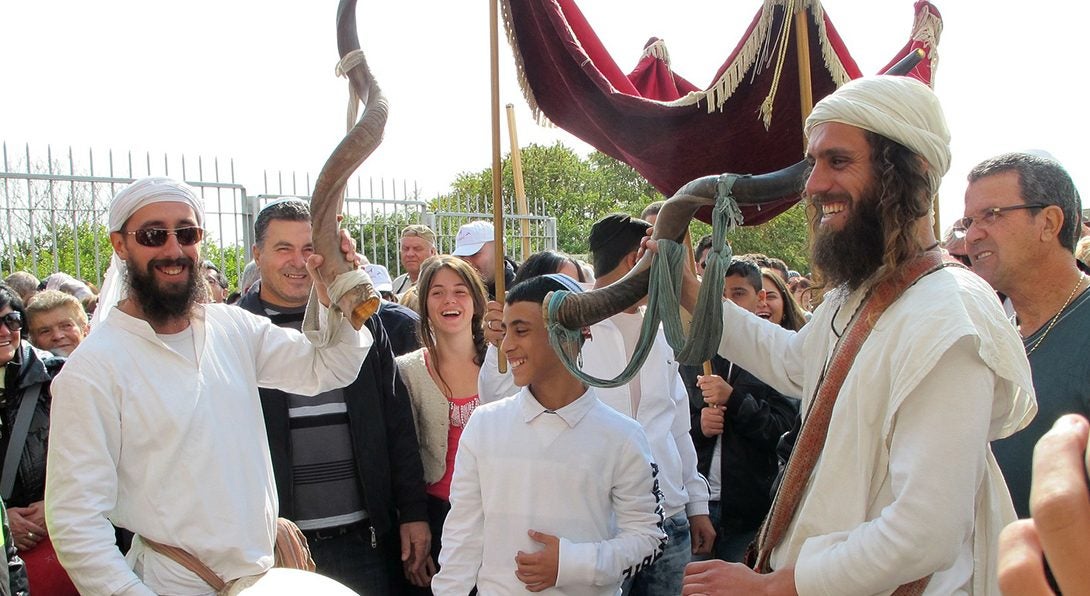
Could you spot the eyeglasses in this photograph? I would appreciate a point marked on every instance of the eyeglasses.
(13, 321)
(154, 237)
(988, 217)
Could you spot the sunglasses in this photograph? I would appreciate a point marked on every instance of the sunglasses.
(154, 237)
(13, 321)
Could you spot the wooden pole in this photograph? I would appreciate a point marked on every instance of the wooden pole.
(806, 96)
(520, 186)
(802, 49)
(497, 166)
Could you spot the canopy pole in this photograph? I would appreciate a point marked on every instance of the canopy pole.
(497, 166)
(520, 186)
(806, 96)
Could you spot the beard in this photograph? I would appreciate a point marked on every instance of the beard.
(851, 255)
(172, 301)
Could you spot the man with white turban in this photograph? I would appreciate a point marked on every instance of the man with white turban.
(156, 423)
(893, 490)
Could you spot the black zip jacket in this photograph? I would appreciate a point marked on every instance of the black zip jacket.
(383, 434)
(756, 417)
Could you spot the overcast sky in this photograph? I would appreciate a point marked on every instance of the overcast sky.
(254, 80)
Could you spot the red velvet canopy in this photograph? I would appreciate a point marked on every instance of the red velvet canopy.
(665, 127)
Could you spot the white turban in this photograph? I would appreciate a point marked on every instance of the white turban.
(898, 108)
(155, 189)
(142, 192)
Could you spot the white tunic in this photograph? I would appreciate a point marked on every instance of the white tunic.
(582, 473)
(906, 485)
(663, 411)
(177, 452)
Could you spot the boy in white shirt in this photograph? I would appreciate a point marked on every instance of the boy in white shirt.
(553, 491)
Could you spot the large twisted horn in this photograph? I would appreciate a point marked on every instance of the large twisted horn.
(362, 301)
(581, 310)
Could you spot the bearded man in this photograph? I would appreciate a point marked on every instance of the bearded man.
(900, 491)
(157, 423)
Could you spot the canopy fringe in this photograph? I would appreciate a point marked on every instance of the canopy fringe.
(520, 68)
(926, 29)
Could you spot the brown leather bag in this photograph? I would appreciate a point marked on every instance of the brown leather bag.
(291, 551)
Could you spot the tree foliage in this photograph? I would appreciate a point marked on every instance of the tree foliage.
(560, 184)
(579, 191)
(784, 237)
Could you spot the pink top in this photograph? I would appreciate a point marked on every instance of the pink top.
(460, 410)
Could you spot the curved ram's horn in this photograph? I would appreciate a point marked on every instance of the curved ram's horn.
(360, 302)
(581, 310)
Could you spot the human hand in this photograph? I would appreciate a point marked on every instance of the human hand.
(1061, 517)
(711, 421)
(24, 532)
(539, 570)
(723, 579)
(321, 286)
(416, 553)
(690, 284)
(702, 533)
(348, 247)
(715, 389)
(493, 319)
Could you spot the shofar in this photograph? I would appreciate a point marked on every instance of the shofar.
(582, 310)
(361, 301)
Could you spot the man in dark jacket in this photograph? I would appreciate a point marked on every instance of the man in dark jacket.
(346, 462)
(736, 440)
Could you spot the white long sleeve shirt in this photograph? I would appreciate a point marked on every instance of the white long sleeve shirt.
(663, 410)
(906, 486)
(176, 451)
(582, 473)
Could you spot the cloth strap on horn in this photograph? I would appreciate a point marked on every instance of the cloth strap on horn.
(664, 301)
(323, 334)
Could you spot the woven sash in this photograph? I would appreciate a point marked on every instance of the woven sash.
(291, 552)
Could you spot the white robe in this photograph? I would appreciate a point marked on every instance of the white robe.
(906, 485)
(177, 452)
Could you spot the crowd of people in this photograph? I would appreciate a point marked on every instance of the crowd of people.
(870, 430)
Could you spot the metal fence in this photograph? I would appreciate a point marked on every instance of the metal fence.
(54, 210)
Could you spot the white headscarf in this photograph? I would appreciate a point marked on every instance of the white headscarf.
(898, 108)
(142, 192)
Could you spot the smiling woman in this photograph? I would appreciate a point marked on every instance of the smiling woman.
(442, 377)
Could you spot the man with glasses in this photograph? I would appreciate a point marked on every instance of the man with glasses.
(157, 424)
(1022, 222)
(217, 281)
(417, 244)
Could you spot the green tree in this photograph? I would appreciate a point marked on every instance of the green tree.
(560, 184)
(579, 191)
(784, 237)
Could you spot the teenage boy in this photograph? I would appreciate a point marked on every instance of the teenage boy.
(551, 488)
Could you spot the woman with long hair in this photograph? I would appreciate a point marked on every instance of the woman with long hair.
(779, 305)
(442, 378)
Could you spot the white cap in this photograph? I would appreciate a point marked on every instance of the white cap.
(380, 277)
(472, 236)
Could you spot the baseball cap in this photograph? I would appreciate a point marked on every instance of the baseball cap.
(419, 230)
(380, 277)
(471, 237)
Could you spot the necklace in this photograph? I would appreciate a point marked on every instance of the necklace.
(1056, 317)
